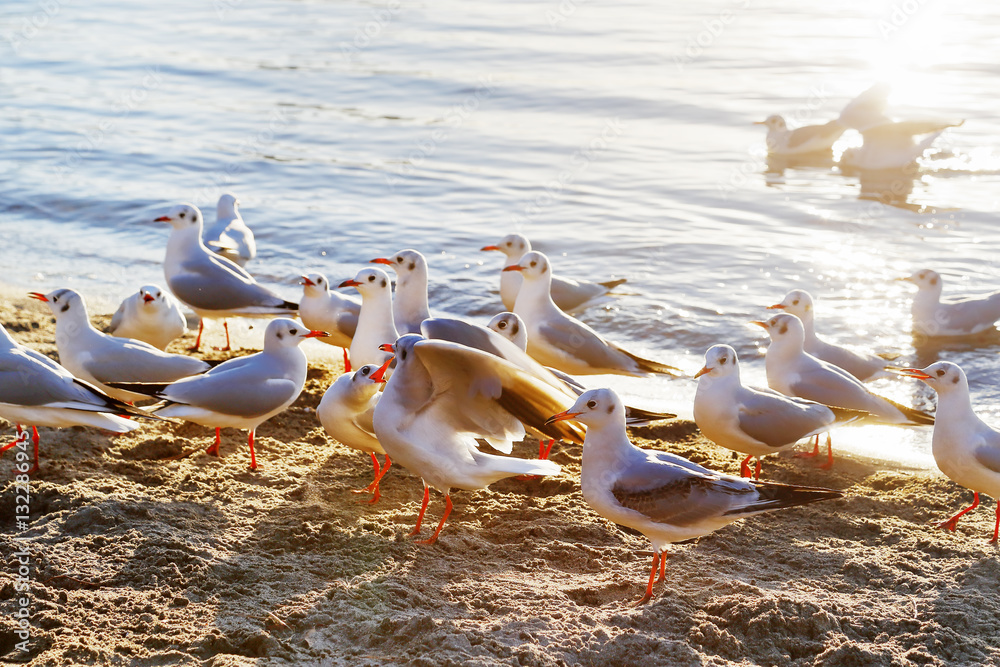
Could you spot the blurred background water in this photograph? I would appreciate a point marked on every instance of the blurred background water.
(616, 135)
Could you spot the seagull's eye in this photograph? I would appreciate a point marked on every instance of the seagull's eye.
(399, 260)
(55, 299)
(534, 263)
(293, 331)
(183, 214)
(365, 370)
(591, 404)
(723, 361)
(371, 278)
(502, 324)
(940, 372)
(319, 281)
(795, 303)
(402, 354)
(507, 244)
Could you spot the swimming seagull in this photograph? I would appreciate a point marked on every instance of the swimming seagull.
(240, 393)
(375, 322)
(150, 315)
(346, 412)
(802, 140)
(102, 359)
(36, 390)
(755, 421)
(558, 340)
(442, 398)
(965, 448)
(571, 296)
(962, 317)
(862, 365)
(892, 144)
(665, 497)
(230, 236)
(210, 284)
(324, 309)
(409, 303)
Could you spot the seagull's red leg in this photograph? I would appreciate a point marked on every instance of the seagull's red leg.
(423, 508)
(197, 341)
(744, 467)
(996, 528)
(652, 577)
(19, 437)
(447, 511)
(228, 347)
(214, 449)
(814, 452)
(663, 567)
(829, 453)
(378, 480)
(371, 487)
(253, 456)
(952, 523)
(34, 440)
(544, 451)
(347, 362)
(756, 472)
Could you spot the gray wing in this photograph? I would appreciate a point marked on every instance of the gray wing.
(210, 285)
(827, 133)
(24, 380)
(570, 294)
(988, 455)
(116, 319)
(250, 388)
(830, 385)
(894, 131)
(127, 360)
(578, 340)
(778, 421)
(971, 313)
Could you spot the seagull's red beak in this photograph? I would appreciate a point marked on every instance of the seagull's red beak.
(562, 416)
(490, 247)
(777, 306)
(513, 267)
(349, 283)
(147, 297)
(704, 369)
(162, 218)
(316, 334)
(906, 279)
(914, 373)
(37, 295)
(759, 323)
(387, 347)
(379, 376)
(306, 281)
(760, 122)
(380, 260)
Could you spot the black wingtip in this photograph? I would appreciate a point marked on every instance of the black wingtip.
(611, 284)
(775, 495)
(290, 305)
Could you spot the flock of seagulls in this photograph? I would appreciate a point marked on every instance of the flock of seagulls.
(432, 394)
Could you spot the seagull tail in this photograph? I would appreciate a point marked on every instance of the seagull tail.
(774, 495)
(611, 284)
(508, 466)
(916, 417)
(116, 406)
(650, 366)
(153, 389)
(850, 416)
(639, 417)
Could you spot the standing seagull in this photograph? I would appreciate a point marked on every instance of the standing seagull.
(862, 365)
(558, 340)
(376, 325)
(210, 284)
(346, 412)
(102, 359)
(322, 308)
(240, 393)
(665, 497)
(572, 296)
(230, 236)
(754, 421)
(409, 303)
(36, 390)
(441, 398)
(965, 448)
(963, 317)
(150, 315)
(802, 140)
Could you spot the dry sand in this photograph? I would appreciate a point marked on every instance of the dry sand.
(143, 558)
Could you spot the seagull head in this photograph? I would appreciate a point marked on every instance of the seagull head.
(798, 302)
(533, 266)
(151, 297)
(941, 376)
(182, 216)
(228, 206)
(63, 301)
(785, 330)
(511, 327)
(370, 282)
(363, 379)
(925, 280)
(773, 122)
(595, 408)
(405, 263)
(314, 284)
(512, 245)
(720, 361)
(283, 333)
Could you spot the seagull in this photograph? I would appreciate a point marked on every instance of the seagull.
(867, 109)
(560, 341)
(375, 322)
(802, 140)
(230, 236)
(441, 398)
(794, 372)
(346, 412)
(571, 296)
(322, 308)
(101, 359)
(150, 315)
(862, 365)
(665, 497)
(210, 284)
(755, 421)
(964, 317)
(36, 390)
(891, 144)
(965, 448)
(409, 304)
(240, 393)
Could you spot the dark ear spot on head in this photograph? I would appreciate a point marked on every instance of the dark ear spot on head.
(954, 380)
(783, 329)
(933, 281)
(279, 335)
(808, 308)
(515, 328)
(383, 282)
(412, 266)
(65, 308)
(611, 408)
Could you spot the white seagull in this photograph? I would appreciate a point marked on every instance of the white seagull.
(965, 448)
(572, 296)
(962, 317)
(150, 315)
(409, 303)
(794, 372)
(862, 365)
(376, 325)
(892, 145)
(208, 283)
(665, 497)
(558, 340)
(230, 236)
(802, 140)
(101, 359)
(324, 309)
(240, 393)
(440, 400)
(36, 390)
(755, 421)
(346, 412)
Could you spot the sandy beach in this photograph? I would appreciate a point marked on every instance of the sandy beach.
(145, 551)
